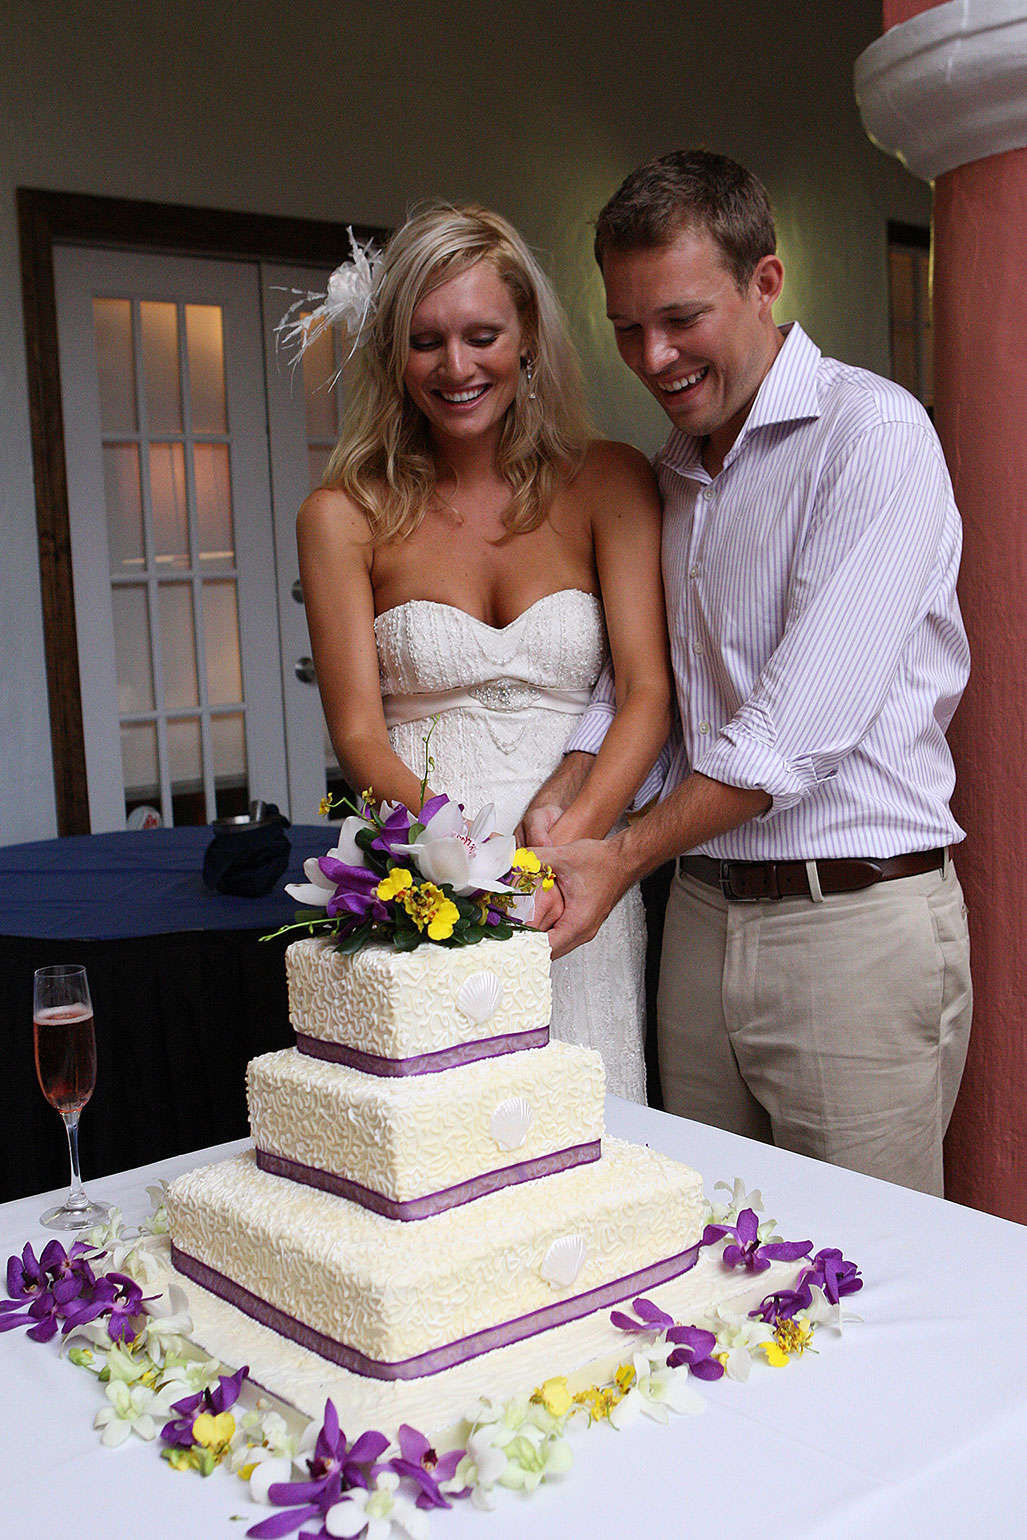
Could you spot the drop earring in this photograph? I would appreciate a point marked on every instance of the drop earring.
(529, 371)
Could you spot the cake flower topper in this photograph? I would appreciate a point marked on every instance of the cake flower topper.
(408, 878)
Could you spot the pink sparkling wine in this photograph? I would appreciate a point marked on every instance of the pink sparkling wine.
(65, 1055)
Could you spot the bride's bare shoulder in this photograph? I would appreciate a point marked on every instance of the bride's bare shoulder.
(614, 473)
(331, 515)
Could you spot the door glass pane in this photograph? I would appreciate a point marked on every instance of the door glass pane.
(168, 500)
(221, 639)
(231, 776)
(178, 645)
(159, 329)
(131, 614)
(184, 757)
(124, 506)
(139, 762)
(205, 348)
(214, 503)
(112, 324)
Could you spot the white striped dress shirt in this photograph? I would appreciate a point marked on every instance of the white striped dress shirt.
(816, 640)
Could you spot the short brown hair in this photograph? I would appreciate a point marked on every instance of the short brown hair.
(691, 189)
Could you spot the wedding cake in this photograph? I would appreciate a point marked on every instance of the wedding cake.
(430, 1179)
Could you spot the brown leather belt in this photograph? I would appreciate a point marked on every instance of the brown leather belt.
(747, 881)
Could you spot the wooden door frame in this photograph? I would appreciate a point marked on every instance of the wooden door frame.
(45, 219)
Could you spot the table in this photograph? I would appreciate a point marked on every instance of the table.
(184, 994)
(910, 1427)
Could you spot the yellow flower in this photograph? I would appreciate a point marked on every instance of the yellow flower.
(554, 1395)
(324, 807)
(396, 882)
(528, 871)
(625, 1378)
(181, 1459)
(789, 1337)
(526, 861)
(367, 795)
(429, 907)
(214, 1433)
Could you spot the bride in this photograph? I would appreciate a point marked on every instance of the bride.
(472, 553)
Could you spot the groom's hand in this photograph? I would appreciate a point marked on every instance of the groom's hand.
(548, 908)
(589, 878)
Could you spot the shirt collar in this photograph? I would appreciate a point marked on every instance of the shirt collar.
(789, 393)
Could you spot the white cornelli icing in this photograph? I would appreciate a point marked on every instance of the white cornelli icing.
(421, 1134)
(398, 1005)
(393, 1290)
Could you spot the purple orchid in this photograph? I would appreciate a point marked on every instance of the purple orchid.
(71, 1274)
(395, 829)
(419, 1461)
(747, 1251)
(336, 1466)
(695, 1349)
(651, 1317)
(783, 1304)
(115, 1296)
(831, 1272)
(44, 1291)
(224, 1395)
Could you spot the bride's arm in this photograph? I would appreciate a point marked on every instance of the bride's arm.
(621, 494)
(335, 552)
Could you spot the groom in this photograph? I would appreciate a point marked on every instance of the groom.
(815, 987)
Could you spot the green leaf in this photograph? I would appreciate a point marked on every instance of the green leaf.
(347, 945)
(406, 940)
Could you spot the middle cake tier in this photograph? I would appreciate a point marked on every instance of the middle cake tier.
(413, 1147)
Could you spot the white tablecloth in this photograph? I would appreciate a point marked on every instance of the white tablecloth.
(913, 1425)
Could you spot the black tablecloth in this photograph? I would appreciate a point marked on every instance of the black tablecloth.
(184, 993)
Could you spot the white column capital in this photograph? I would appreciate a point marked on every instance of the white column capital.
(949, 86)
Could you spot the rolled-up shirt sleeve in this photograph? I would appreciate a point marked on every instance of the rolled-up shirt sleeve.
(862, 583)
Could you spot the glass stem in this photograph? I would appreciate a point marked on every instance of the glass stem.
(76, 1194)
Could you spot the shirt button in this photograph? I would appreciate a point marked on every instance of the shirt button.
(693, 572)
(697, 647)
(704, 727)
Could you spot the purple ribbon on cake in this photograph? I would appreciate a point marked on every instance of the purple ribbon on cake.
(453, 1353)
(433, 1202)
(422, 1063)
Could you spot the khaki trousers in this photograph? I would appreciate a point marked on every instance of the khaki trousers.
(837, 1029)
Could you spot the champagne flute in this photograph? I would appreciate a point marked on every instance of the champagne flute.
(65, 1044)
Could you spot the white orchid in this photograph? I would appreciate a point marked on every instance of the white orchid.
(737, 1337)
(133, 1409)
(656, 1391)
(166, 1324)
(373, 1513)
(318, 889)
(470, 856)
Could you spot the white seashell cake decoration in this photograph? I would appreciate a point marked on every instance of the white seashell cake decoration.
(509, 1125)
(563, 1261)
(480, 997)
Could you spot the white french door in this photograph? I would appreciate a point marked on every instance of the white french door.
(191, 635)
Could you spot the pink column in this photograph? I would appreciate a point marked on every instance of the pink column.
(939, 89)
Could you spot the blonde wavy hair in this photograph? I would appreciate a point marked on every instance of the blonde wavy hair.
(383, 458)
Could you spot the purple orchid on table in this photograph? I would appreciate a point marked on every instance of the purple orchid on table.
(335, 1467)
(650, 1317)
(747, 1250)
(116, 1297)
(694, 1349)
(828, 1271)
(419, 1461)
(47, 1290)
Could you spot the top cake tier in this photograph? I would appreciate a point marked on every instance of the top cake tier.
(389, 1012)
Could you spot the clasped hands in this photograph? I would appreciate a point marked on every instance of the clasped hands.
(572, 910)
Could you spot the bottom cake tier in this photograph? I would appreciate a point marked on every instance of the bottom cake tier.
(397, 1300)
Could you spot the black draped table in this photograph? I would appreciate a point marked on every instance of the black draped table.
(183, 989)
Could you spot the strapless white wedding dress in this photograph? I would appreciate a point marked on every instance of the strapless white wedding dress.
(507, 699)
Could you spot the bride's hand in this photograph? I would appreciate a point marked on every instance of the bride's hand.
(536, 826)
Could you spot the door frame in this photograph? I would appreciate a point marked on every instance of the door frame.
(44, 219)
